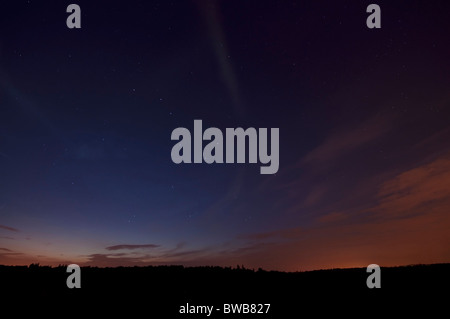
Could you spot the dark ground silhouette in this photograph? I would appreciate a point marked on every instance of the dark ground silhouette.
(158, 292)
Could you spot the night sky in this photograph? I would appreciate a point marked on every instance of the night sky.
(86, 117)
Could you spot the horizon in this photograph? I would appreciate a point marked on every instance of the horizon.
(235, 267)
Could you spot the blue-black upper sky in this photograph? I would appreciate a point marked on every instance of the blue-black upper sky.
(86, 117)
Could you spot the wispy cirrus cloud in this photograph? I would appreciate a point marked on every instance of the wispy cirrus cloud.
(416, 191)
(131, 247)
(404, 221)
(112, 260)
(9, 228)
(6, 237)
(287, 233)
(347, 140)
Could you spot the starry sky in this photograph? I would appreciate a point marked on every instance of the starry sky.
(86, 117)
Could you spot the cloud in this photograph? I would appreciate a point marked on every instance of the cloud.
(406, 221)
(330, 176)
(112, 260)
(210, 11)
(11, 253)
(419, 190)
(287, 233)
(332, 217)
(118, 247)
(248, 249)
(9, 228)
(393, 217)
(347, 140)
(220, 254)
(10, 257)
(416, 191)
(193, 253)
